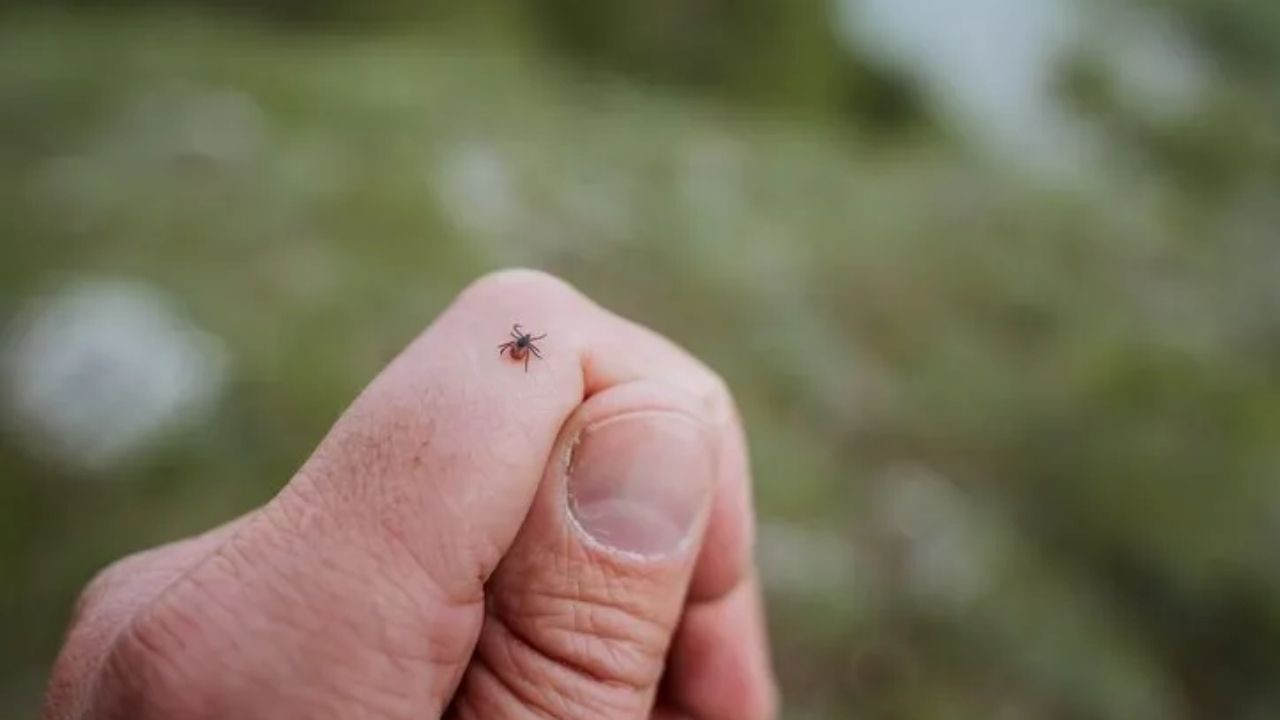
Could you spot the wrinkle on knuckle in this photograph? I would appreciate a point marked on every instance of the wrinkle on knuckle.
(487, 694)
(541, 698)
(149, 671)
(549, 685)
(594, 631)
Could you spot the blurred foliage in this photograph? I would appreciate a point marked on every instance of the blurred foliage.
(1015, 443)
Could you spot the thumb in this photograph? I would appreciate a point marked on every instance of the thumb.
(581, 611)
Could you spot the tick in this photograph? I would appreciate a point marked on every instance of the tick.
(521, 346)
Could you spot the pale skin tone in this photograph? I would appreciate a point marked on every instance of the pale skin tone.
(425, 561)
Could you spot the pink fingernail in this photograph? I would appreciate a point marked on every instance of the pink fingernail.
(639, 482)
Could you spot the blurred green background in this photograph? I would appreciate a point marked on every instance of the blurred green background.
(995, 283)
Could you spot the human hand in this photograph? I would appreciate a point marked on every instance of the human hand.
(469, 541)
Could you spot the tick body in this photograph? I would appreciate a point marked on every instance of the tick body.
(521, 347)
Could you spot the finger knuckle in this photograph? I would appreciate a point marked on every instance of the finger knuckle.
(599, 636)
(588, 650)
(572, 662)
(145, 672)
(715, 395)
(103, 585)
(91, 596)
(718, 388)
(521, 282)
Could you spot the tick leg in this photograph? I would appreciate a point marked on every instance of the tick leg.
(526, 363)
(503, 347)
(535, 352)
(516, 329)
(539, 337)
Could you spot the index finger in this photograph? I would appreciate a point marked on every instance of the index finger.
(487, 459)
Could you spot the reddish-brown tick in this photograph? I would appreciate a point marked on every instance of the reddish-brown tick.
(522, 346)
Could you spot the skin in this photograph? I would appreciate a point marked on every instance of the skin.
(422, 562)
